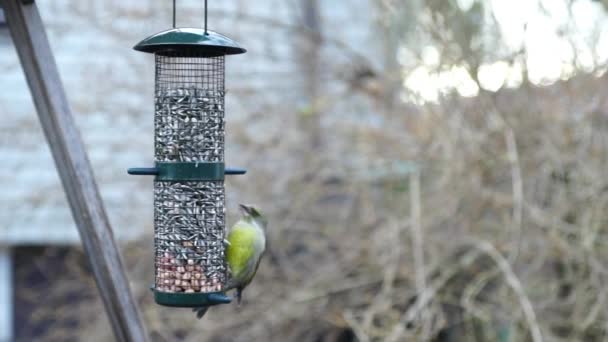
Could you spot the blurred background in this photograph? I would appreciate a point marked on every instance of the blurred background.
(432, 170)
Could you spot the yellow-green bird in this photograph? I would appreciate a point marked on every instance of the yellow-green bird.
(246, 245)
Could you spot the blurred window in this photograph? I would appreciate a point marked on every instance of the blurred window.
(2, 19)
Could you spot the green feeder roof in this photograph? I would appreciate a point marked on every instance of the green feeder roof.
(194, 40)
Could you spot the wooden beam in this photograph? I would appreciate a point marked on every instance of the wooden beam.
(67, 147)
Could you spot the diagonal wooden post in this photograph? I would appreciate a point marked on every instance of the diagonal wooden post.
(29, 37)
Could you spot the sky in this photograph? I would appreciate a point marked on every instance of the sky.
(534, 25)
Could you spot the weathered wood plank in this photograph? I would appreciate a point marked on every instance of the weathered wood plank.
(29, 37)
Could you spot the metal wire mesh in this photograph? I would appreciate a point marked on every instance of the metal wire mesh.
(189, 108)
(189, 216)
(189, 236)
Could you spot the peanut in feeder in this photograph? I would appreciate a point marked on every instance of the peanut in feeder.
(189, 199)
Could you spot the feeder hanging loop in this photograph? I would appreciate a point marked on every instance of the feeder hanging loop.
(174, 9)
(206, 33)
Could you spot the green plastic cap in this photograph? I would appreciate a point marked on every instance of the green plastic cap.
(190, 40)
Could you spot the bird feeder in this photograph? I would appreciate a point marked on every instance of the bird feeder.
(189, 141)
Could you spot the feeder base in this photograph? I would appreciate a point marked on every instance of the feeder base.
(190, 300)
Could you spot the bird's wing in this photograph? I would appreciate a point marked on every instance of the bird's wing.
(244, 275)
(255, 269)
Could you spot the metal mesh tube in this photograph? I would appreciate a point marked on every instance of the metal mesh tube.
(189, 101)
(189, 217)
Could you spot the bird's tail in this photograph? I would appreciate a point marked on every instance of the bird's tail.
(239, 296)
(200, 312)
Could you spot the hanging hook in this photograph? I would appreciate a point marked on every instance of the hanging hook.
(206, 17)
(174, 16)
(174, 13)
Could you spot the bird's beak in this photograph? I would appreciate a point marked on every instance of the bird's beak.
(245, 209)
